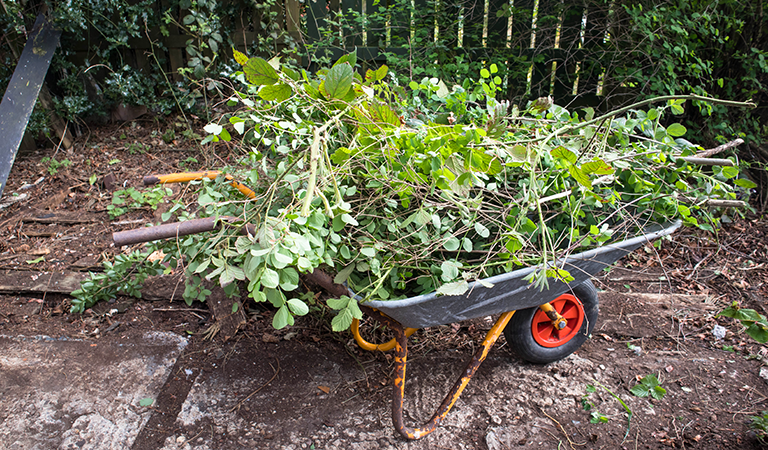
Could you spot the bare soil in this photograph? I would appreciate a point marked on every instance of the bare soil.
(306, 387)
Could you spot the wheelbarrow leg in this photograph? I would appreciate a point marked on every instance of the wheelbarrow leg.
(401, 356)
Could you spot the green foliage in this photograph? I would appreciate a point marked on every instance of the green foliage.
(124, 276)
(594, 415)
(697, 47)
(649, 385)
(125, 200)
(108, 29)
(53, 165)
(760, 425)
(756, 324)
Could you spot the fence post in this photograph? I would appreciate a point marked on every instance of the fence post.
(570, 34)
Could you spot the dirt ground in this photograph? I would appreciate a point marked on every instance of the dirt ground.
(306, 387)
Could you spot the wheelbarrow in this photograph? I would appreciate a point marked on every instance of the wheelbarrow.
(541, 326)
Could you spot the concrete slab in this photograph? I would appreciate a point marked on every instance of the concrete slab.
(66, 393)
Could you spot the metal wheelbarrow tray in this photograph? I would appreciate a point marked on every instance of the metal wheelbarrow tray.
(510, 290)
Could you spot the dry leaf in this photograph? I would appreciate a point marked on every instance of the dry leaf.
(325, 389)
(270, 338)
(157, 255)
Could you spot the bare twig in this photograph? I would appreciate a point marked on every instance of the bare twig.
(239, 404)
(562, 429)
(720, 148)
(708, 161)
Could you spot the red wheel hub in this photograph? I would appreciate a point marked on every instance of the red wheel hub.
(544, 331)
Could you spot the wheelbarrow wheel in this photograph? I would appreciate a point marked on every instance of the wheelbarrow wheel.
(532, 336)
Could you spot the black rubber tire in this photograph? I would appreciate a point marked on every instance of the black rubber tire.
(519, 334)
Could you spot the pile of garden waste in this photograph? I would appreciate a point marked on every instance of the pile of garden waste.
(404, 190)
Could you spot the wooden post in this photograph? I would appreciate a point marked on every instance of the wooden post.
(570, 31)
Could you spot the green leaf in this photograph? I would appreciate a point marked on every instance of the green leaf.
(349, 58)
(343, 274)
(282, 318)
(146, 402)
(676, 130)
(730, 172)
(279, 260)
(381, 114)
(289, 279)
(259, 72)
(450, 270)
(235, 307)
(639, 390)
(338, 303)
(579, 176)
(381, 72)
(338, 81)
(275, 296)
(563, 153)
(746, 184)
(758, 332)
(598, 167)
(482, 230)
(241, 58)
(270, 278)
(342, 321)
(36, 260)
(298, 307)
(658, 392)
(650, 380)
(277, 92)
(451, 244)
(456, 288)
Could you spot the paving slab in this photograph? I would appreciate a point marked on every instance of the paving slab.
(62, 393)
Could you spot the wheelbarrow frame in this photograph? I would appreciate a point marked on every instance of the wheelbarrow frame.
(510, 292)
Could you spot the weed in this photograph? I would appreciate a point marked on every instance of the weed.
(760, 425)
(124, 276)
(594, 415)
(169, 136)
(756, 324)
(125, 200)
(136, 147)
(649, 385)
(54, 165)
(187, 162)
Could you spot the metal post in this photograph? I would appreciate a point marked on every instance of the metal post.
(21, 95)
